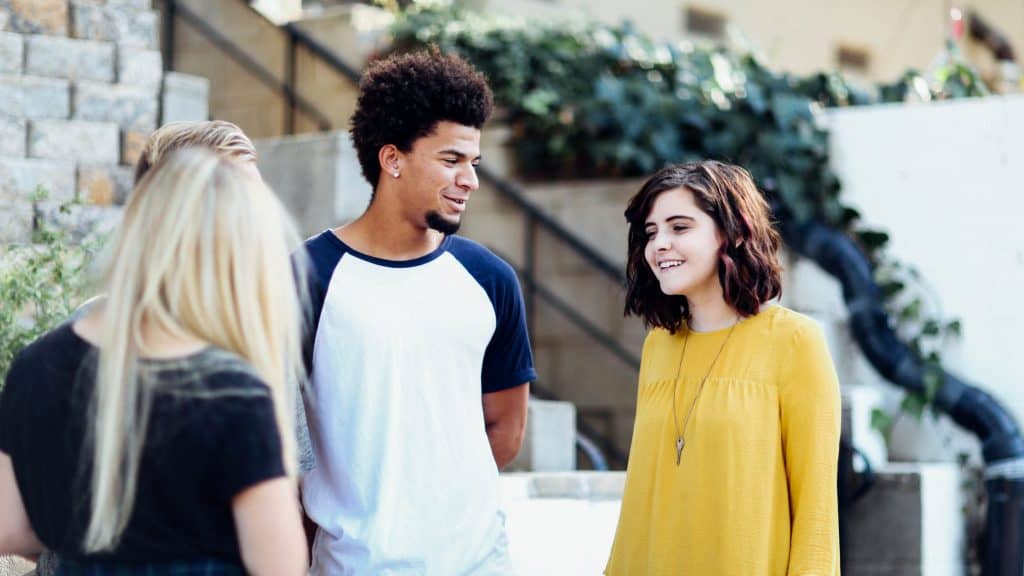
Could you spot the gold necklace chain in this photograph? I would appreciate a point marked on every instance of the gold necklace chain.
(680, 439)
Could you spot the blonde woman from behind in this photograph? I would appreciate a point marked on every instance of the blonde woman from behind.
(168, 412)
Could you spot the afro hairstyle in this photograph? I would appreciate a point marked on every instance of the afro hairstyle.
(403, 97)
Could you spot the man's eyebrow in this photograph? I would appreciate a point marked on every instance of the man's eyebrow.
(457, 153)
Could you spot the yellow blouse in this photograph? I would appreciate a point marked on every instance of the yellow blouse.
(755, 491)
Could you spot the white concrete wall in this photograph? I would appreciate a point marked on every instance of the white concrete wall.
(944, 181)
(561, 524)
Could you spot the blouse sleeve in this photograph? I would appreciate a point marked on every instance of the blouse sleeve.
(811, 420)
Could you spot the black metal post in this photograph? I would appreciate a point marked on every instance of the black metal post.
(529, 267)
(167, 34)
(289, 82)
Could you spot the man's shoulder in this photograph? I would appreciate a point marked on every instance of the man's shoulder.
(479, 260)
(324, 242)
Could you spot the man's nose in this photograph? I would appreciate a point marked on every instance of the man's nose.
(467, 179)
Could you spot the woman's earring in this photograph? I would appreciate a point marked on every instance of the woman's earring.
(395, 174)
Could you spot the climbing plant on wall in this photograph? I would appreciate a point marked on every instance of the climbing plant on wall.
(590, 100)
(41, 283)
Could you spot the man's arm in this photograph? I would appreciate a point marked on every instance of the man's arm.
(505, 419)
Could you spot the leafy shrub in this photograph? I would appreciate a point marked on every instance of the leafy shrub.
(41, 283)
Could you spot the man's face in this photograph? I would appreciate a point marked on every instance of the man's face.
(438, 175)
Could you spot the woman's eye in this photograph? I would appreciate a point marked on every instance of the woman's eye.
(680, 228)
(451, 161)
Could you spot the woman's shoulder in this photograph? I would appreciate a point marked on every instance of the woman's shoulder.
(57, 349)
(788, 325)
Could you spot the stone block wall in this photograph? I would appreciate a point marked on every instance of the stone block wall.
(81, 88)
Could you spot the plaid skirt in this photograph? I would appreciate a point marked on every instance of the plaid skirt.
(199, 568)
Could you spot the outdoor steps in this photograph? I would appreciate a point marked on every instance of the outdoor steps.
(81, 88)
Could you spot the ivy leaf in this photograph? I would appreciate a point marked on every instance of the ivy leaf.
(882, 421)
(873, 239)
(914, 403)
(932, 382)
(953, 328)
(911, 311)
(891, 288)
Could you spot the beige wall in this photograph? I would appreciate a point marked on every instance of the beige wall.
(236, 94)
(802, 36)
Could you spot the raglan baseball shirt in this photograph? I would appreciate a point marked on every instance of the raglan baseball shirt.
(405, 482)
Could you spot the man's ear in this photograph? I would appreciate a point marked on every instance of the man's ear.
(390, 158)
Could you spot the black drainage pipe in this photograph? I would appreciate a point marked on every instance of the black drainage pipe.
(970, 407)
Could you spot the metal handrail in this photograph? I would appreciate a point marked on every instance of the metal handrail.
(322, 52)
(260, 72)
(516, 195)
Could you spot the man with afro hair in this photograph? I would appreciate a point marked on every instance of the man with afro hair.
(420, 358)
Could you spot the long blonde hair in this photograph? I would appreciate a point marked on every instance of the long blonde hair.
(202, 252)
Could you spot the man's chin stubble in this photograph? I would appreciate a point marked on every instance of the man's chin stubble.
(436, 222)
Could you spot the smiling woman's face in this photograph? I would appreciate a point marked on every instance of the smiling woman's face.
(683, 245)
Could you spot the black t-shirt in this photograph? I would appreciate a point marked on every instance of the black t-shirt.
(211, 434)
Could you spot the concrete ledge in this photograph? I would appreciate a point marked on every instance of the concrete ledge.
(317, 177)
(33, 97)
(910, 523)
(116, 22)
(185, 98)
(561, 523)
(12, 47)
(59, 57)
(13, 137)
(130, 107)
(549, 444)
(95, 142)
(19, 177)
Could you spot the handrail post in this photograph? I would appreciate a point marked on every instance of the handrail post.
(529, 268)
(167, 34)
(289, 81)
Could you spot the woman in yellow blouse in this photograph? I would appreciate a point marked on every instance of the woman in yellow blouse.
(732, 469)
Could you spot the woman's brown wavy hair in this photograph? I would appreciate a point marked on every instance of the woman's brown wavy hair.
(748, 264)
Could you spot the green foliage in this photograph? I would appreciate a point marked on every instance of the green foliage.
(41, 283)
(588, 100)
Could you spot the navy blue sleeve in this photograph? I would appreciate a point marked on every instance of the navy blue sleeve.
(315, 264)
(508, 360)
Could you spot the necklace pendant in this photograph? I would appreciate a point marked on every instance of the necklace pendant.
(680, 443)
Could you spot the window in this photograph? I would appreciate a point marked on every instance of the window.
(852, 59)
(701, 22)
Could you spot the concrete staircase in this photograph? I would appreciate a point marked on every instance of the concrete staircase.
(81, 88)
